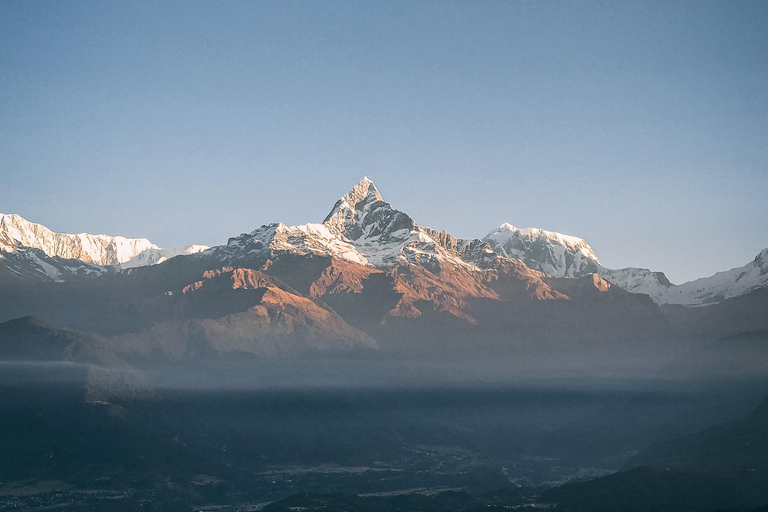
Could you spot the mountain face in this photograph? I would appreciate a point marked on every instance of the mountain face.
(363, 228)
(638, 280)
(28, 264)
(156, 256)
(231, 310)
(29, 250)
(15, 232)
(552, 253)
(707, 290)
(368, 273)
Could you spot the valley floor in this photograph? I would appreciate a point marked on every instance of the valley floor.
(248, 449)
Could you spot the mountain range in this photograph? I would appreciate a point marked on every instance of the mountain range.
(28, 249)
(362, 228)
(368, 277)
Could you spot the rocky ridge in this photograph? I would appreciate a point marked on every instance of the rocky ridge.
(364, 229)
(31, 250)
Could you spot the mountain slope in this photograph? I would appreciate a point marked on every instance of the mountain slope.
(16, 232)
(738, 446)
(32, 251)
(732, 316)
(188, 307)
(707, 290)
(234, 310)
(723, 285)
(552, 253)
(34, 352)
(28, 264)
(361, 228)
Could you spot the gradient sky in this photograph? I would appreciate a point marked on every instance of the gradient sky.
(639, 126)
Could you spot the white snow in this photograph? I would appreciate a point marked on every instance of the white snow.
(360, 228)
(155, 256)
(723, 285)
(364, 229)
(707, 290)
(554, 253)
(19, 235)
(17, 232)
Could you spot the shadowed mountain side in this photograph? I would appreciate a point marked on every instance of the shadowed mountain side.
(242, 310)
(379, 302)
(181, 301)
(292, 303)
(733, 357)
(30, 265)
(33, 352)
(81, 303)
(721, 467)
(31, 339)
(739, 446)
(413, 309)
(518, 313)
(732, 316)
(644, 489)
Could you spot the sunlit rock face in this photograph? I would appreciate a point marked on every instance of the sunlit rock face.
(363, 228)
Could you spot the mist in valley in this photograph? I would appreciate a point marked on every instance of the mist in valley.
(243, 429)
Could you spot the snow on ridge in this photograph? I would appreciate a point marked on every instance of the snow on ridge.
(722, 285)
(506, 230)
(18, 234)
(364, 229)
(547, 251)
(156, 256)
(361, 228)
(700, 292)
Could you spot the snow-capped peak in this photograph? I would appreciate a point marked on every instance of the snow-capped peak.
(365, 229)
(361, 227)
(156, 256)
(547, 251)
(16, 232)
(363, 212)
(707, 290)
(38, 251)
(365, 191)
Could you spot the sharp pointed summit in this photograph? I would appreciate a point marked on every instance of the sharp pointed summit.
(365, 191)
(363, 228)
(363, 213)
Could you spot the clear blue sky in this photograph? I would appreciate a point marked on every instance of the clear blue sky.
(640, 126)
